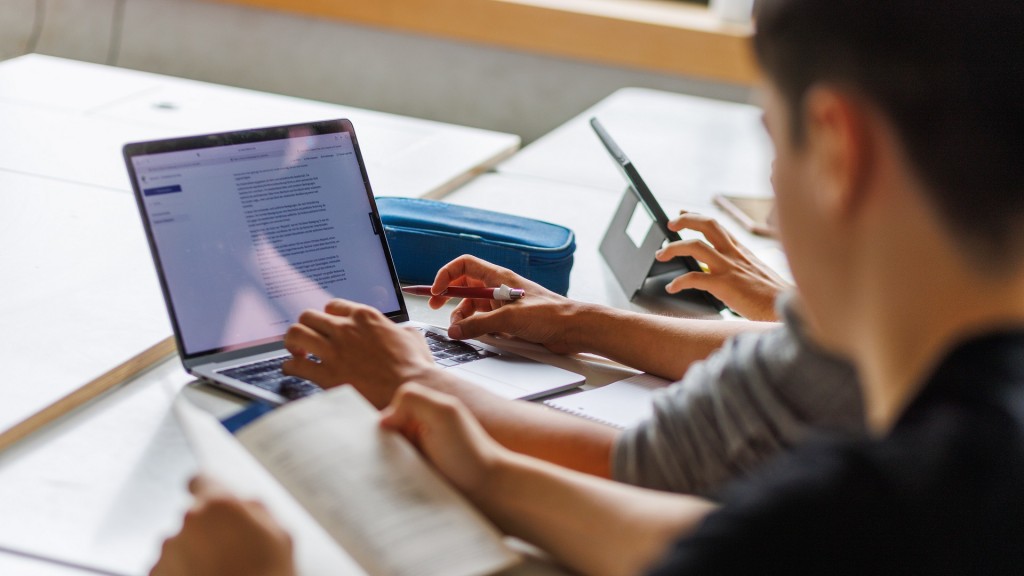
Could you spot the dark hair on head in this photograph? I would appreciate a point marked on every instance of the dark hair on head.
(949, 76)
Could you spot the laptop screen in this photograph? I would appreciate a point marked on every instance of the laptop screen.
(249, 229)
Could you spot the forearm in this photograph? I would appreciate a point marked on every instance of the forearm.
(660, 345)
(535, 430)
(592, 525)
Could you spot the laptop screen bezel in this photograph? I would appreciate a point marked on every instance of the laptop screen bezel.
(134, 149)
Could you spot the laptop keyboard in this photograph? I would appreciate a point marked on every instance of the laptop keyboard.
(448, 352)
(266, 374)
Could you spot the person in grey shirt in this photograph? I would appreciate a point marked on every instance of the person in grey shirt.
(760, 394)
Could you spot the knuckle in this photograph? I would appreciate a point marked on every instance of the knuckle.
(447, 405)
(337, 331)
(404, 393)
(698, 220)
(335, 306)
(399, 394)
(722, 234)
(363, 314)
(684, 248)
(462, 262)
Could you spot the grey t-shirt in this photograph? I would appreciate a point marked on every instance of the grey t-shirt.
(755, 397)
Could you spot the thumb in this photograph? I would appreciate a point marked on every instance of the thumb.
(398, 415)
(696, 280)
(204, 487)
(414, 409)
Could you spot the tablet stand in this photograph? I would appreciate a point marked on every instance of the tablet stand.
(638, 273)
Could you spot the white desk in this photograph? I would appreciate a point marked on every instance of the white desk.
(686, 148)
(80, 293)
(68, 120)
(102, 487)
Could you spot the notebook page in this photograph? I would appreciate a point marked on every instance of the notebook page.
(621, 404)
(371, 491)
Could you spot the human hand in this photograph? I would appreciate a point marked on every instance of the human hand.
(444, 431)
(225, 536)
(735, 276)
(356, 344)
(541, 317)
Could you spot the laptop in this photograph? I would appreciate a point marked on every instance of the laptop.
(247, 229)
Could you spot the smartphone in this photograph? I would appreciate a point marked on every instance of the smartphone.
(753, 213)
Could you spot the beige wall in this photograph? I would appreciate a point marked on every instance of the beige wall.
(430, 78)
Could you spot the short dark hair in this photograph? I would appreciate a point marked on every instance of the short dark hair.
(949, 76)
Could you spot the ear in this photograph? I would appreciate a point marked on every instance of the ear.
(839, 143)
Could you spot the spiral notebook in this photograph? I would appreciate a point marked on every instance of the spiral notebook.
(621, 404)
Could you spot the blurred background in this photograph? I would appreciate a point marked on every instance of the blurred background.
(519, 66)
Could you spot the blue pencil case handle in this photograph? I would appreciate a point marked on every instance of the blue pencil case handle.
(424, 235)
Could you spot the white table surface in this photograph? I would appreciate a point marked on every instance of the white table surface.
(80, 293)
(68, 120)
(686, 148)
(104, 486)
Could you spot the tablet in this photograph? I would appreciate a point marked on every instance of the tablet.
(649, 202)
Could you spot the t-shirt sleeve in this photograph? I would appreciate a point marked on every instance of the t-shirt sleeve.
(756, 396)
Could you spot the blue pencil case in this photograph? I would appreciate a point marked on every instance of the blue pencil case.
(424, 235)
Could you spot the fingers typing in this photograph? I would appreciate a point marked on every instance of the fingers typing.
(694, 248)
(718, 236)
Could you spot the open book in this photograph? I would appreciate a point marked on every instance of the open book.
(356, 498)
